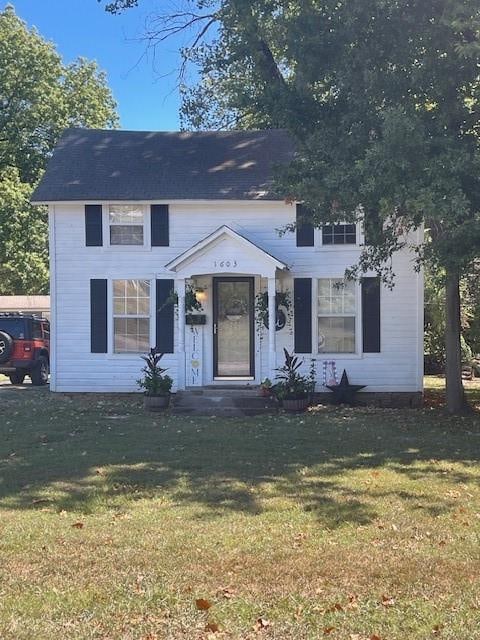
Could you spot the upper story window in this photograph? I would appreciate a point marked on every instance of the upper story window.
(131, 316)
(336, 308)
(126, 223)
(339, 234)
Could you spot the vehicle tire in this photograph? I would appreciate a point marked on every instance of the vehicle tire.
(17, 378)
(6, 346)
(39, 373)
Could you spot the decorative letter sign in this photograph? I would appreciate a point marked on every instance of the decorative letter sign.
(194, 360)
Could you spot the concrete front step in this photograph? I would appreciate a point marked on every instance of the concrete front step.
(222, 402)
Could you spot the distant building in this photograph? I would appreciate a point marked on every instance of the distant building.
(40, 305)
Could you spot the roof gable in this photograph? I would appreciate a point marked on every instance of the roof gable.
(114, 165)
(225, 250)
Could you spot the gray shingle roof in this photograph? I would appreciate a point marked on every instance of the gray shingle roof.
(92, 164)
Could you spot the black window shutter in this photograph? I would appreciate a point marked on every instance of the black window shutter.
(93, 225)
(159, 225)
(371, 315)
(305, 230)
(302, 314)
(98, 316)
(164, 322)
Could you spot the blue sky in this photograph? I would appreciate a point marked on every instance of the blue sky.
(82, 28)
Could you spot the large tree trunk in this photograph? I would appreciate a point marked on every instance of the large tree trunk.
(456, 402)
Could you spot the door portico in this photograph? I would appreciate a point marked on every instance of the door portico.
(225, 255)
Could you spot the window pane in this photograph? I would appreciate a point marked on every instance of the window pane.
(324, 296)
(119, 288)
(336, 296)
(143, 306)
(126, 214)
(336, 335)
(131, 288)
(131, 297)
(131, 335)
(120, 326)
(126, 234)
(131, 306)
(119, 306)
(327, 235)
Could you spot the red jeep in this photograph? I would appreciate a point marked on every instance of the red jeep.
(24, 347)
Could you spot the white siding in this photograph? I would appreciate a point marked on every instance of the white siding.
(397, 368)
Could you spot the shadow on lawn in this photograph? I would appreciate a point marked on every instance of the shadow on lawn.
(88, 450)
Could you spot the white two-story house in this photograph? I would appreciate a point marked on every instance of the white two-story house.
(148, 229)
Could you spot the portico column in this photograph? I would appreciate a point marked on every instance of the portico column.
(272, 320)
(180, 289)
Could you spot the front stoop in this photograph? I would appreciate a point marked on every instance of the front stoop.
(223, 401)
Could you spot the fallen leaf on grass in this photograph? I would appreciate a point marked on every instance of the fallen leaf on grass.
(138, 583)
(375, 637)
(261, 623)
(328, 630)
(203, 604)
(77, 525)
(436, 629)
(227, 593)
(213, 627)
(388, 601)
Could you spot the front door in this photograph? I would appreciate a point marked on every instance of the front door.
(233, 328)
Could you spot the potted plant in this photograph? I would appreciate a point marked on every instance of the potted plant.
(155, 383)
(293, 389)
(266, 387)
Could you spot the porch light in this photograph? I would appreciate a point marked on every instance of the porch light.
(200, 295)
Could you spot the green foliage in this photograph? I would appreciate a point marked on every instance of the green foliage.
(39, 97)
(154, 381)
(292, 384)
(23, 247)
(435, 316)
(382, 97)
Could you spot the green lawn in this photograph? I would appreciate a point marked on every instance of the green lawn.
(351, 524)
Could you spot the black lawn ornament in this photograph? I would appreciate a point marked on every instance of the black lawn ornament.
(344, 393)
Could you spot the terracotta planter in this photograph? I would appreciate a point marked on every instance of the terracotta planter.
(265, 392)
(156, 403)
(296, 406)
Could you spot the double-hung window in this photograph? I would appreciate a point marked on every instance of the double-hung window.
(126, 223)
(339, 234)
(131, 316)
(336, 307)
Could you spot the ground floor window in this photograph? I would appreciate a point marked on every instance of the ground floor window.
(336, 310)
(131, 316)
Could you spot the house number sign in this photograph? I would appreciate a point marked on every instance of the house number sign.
(227, 262)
